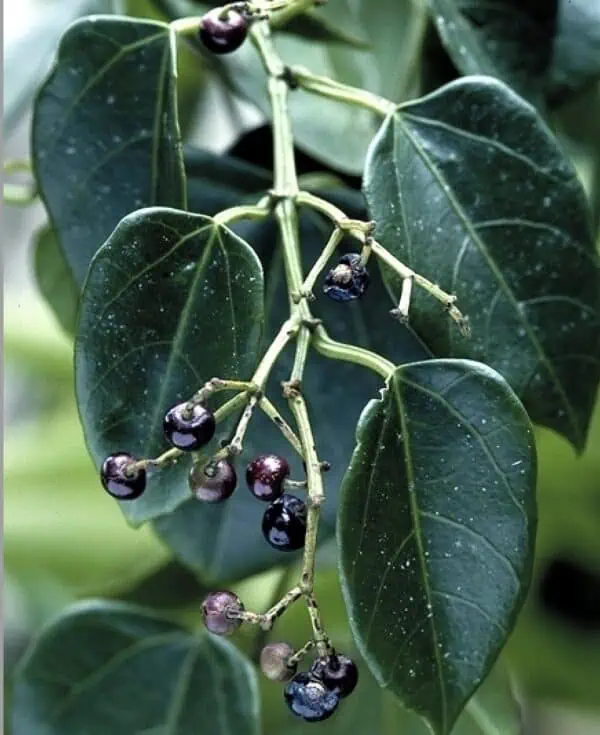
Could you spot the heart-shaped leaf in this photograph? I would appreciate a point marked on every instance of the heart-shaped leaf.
(539, 49)
(105, 132)
(436, 531)
(171, 300)
(468, 187)
(110, 667)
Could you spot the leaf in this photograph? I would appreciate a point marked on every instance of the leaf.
(55, 279)
(536, 48)
(105, 132)
(28, 55)
(93, 662)
(436, 531)
(200, 535)
(171, 300)
(468, 187)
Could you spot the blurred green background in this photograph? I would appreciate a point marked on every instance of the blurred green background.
(64, 538)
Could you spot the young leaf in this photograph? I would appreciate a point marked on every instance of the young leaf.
(436, 530)
(55, 279)
(468, 187)
(539, 49)
(171, 300)
(110, 667)
(105, 132)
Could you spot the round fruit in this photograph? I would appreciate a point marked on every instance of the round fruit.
(348, 280)
(223, 31)
(284, 523)
(189, 429)
(337, 672)
(310, 699)
(265, 476)
(274, 661)
(218, 612)
(118, 481)
(214, 482)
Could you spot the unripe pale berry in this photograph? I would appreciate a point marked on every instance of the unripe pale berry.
(274, 661)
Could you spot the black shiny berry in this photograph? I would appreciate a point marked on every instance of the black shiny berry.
(265, 476)
(117, 481)
(284, 523)
(213, 483)
(189, 429)
(310, 699)
(338, 672)
(218, 610)
(222, 32)
(348, 280)
(274, 661)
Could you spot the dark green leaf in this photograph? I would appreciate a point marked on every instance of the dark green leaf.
(315, 26)
(170, 586)
(109, 667)
(171, 300)
(105, 132)
(55, 279)
(468, 187)
(200, 535)
(536, 47)
(436, 530)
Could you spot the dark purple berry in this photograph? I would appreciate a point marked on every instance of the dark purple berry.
(118, 481)
(189, 428)
(310, 699)
(284, 523)
(222, 32)
(338, 672)
(214, 482)
(265, 476)
(218, 612)
(348, 280)
(274, 661)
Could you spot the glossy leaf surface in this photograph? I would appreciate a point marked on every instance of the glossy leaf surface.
(468, 187)
(172, 300)
(436, 529)
(105, 132)
(110, 667)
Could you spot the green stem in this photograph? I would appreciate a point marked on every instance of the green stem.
(323, 343)
(341, 92)
(233, 214)
(321, 262)
(271, 411)
(20, 195)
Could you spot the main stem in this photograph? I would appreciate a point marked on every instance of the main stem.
(284, 193)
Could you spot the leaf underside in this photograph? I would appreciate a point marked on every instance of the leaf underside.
(436, 529)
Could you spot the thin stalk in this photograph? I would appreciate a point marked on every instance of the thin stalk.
(321, 262)
(323, 343)
(271, 411)
(233, 214)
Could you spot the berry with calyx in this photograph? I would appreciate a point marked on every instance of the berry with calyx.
(219, 610)
(118, 480)
(274, 659)
(284, 523)
(310, 699)
(265, 476)
(337, 672)
(213, 483)
(223, 31)
(189, 428)
(348, 280)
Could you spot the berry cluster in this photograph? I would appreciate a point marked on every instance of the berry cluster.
(312, 695)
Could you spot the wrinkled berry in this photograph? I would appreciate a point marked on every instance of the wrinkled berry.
(189, 429)
(310, 699)
(217, 611)
(348, 280)
(274, 661)
(117, 481)
(222, 32)
(265, 476)
(214, 482)
(284, 523)
(338, 672)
